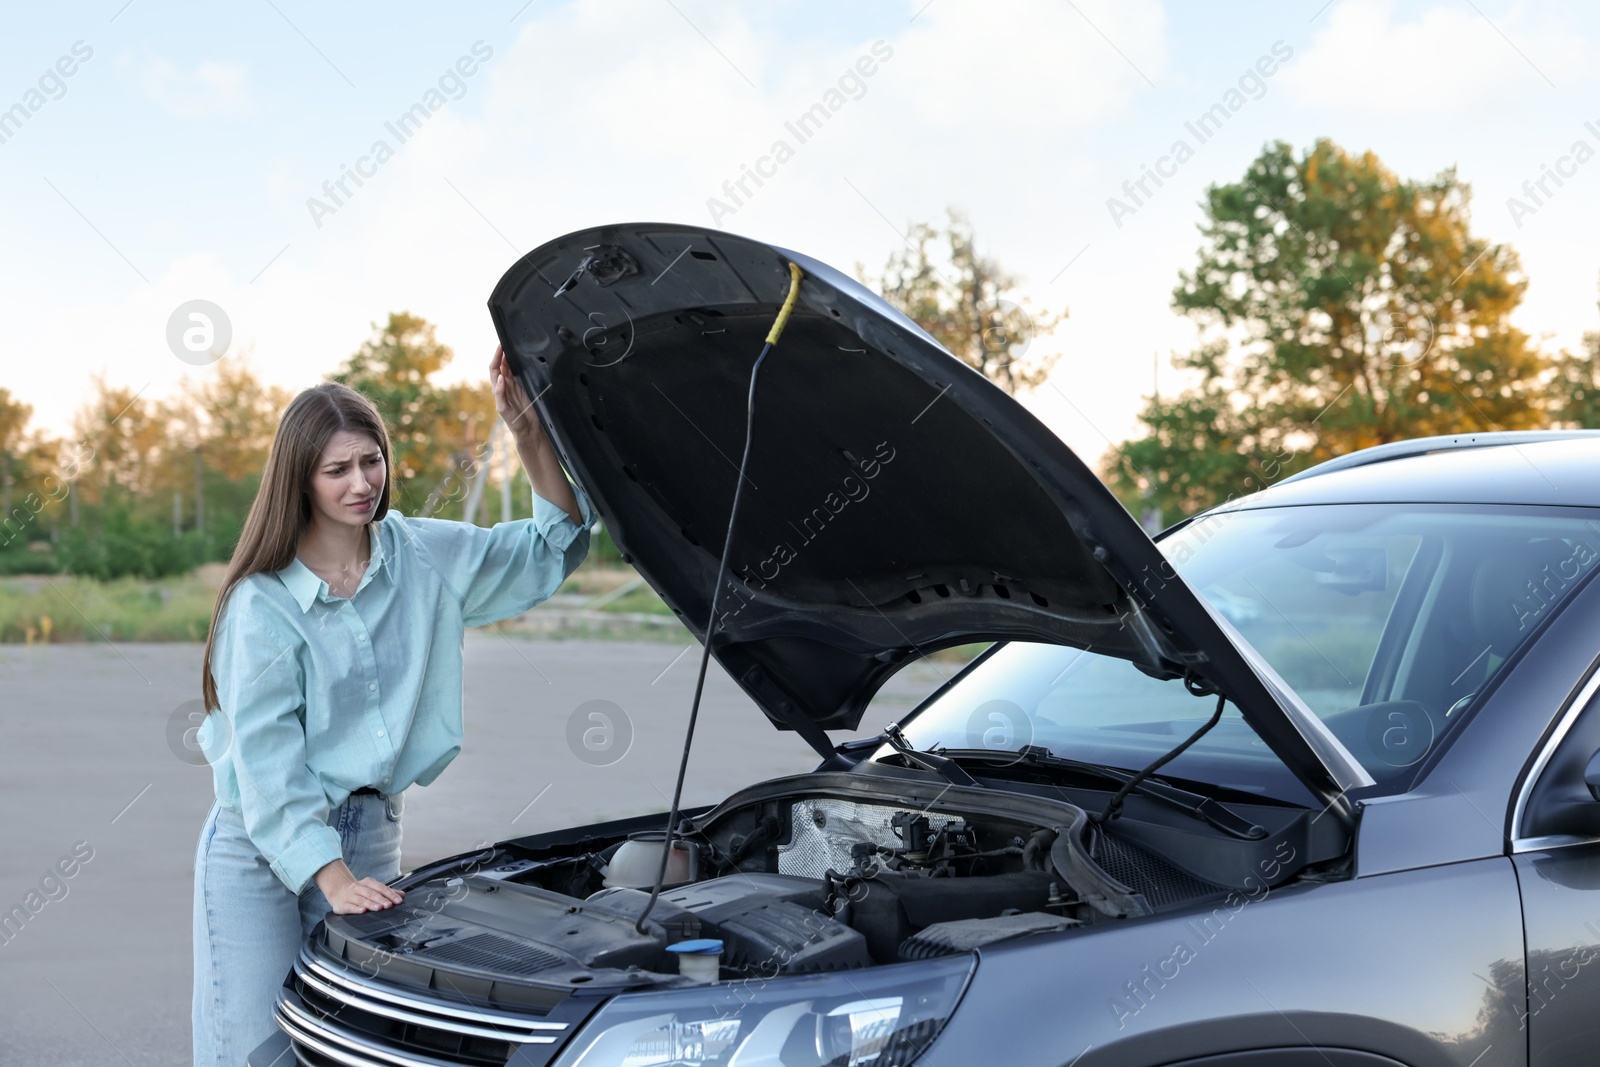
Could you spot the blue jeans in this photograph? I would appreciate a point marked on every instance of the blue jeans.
(248, 927)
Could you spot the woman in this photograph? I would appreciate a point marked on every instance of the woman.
(332, 681)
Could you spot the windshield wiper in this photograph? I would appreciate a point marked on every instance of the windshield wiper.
(948, 769)
(1208, 809)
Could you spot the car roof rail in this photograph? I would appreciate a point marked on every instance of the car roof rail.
(1419, 446)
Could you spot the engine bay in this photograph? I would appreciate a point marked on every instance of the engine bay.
(833, 876)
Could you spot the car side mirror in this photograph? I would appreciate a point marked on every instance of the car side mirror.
(1591, 775)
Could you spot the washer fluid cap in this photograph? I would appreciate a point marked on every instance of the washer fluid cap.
(700, 946)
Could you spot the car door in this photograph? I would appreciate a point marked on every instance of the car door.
(1556, 850)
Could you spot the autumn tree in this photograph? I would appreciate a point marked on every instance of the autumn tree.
(159, 485)
(966, 300)
(118, 464)
(139, 467)
(118, 446)
(231, 416)
(1339, 306)
(393, 368)
(467, 431)
(220, 429)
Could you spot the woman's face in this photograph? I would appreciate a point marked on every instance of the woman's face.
(347, 481)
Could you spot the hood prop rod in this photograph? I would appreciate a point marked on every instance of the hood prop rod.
(795, 274)
(1199, 688)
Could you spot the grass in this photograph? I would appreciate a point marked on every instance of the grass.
(642, 600)
(58, 608)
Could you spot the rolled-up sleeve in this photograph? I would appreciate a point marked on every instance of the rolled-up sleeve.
(505, 569)
(261, 691)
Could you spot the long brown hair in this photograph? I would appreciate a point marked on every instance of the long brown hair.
(281, 511)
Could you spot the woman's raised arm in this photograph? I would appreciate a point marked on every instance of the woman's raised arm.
(533, 444)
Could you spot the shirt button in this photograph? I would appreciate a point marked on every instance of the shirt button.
(361, 637)
(372, 686)
(380, 733)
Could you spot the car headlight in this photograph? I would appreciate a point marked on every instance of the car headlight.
(882, 1017)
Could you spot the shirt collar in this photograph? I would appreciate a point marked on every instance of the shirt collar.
(306, 587)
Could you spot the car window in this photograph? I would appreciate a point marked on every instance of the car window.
(1387, 620)
(1316, 610)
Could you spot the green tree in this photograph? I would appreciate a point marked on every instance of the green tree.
(1339, 306)
(1576, 386)
(1577, 382)
(14, 418)
(26, 469)
(962, 297)
(118, 538)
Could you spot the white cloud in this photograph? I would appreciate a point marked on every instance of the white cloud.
(970, 104)
(1029, 65)
(210, 89)
(1445, 59)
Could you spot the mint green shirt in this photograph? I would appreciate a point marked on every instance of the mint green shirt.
(322, 695)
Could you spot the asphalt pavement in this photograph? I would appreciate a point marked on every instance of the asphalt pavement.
(96, 778)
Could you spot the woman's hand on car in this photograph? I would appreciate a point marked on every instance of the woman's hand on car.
(533, 446)
(512, 402)
(348, 895)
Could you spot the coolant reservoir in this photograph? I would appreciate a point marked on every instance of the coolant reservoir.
(634, 865)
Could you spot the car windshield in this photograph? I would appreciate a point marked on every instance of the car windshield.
(1386, 619)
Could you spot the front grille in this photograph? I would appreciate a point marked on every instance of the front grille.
(337, 1018)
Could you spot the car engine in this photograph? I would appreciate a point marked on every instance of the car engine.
(788, 882)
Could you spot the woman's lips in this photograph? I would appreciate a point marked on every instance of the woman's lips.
(364, 505)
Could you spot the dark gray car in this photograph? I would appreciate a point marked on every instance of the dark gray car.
(1313, 781)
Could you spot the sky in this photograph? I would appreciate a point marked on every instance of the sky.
(195, 152)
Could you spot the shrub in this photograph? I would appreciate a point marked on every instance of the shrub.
(116, 543)
(39, 558)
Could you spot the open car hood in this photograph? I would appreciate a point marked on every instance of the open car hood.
(897, 501)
